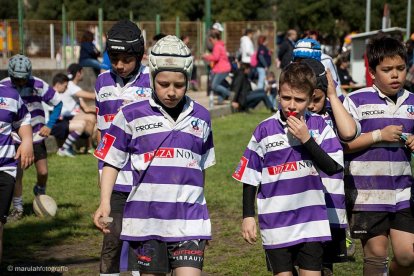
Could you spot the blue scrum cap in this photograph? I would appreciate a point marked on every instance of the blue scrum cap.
(307, 48)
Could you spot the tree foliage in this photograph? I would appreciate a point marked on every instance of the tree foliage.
(335, 17)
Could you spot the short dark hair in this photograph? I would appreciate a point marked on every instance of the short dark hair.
(248, 31)
(59, 78)
(299, 76)
(73, 69)
(382, 47)
(158, 36)
(87, 36)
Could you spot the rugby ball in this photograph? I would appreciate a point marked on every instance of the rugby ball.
(44, 206)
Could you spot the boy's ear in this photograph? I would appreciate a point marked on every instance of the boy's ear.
(371, 73)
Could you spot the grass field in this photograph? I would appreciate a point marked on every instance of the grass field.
(71, 240)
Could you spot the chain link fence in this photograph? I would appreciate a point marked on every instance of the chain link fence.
(44, 38)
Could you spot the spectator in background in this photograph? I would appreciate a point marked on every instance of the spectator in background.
(271, 87)
(264, 60)
(61, 129)
(193, 81)
(342, 65)
(246, 47)
(246, 98)
(89, 53)
(216, 27)
(285, 53)
(220, 65)
(155, 38)
(75, 108)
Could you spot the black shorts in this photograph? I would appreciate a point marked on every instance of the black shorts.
(39, 151)
(6, 194)
(112, 245)
(306, 255)
(366, 225)
(154, 256)
(334, 251)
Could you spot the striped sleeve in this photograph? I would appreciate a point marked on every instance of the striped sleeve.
(352, 109)
(22, 116)
(49, 95)
(114, 145)
(330, 143)
(208, 158)
(249, 169)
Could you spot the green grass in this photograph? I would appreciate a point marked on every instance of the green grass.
(70, 238)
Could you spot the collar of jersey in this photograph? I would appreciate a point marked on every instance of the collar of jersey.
(383, 96)
(188, 107)
(132, 79)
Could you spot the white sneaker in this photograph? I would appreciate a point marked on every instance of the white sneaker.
(65, 152)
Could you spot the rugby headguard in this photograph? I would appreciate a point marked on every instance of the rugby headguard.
(307, 48)
(170, 54)
(125, 37)
(20, 67)
(320, 73)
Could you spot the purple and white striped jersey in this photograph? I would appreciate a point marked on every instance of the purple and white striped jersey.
(13, 114)
(290, 200)
(111, 95)
(35, 92)
(379, 178)
(168, 203)
(334, 188)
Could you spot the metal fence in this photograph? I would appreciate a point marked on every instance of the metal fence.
(44, 38)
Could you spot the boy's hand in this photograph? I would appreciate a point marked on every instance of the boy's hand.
(44, 131)
(249, 230)
(102, 211)
(410, 142)
(298, 128)
(331, 92)
(391, 133)
(25, 154)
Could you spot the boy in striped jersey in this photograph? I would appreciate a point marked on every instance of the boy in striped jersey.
(127, 81)
(168, 140)
(34, 92)
(326, 103)
(378, 178)
(14, 116)
(281, 158)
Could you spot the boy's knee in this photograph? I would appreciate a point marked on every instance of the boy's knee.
(42, 172)
(405, 259)
(81, 125)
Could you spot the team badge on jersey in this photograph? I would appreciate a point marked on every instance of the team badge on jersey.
(410, 110)
(142, 92)
(195, 127)
(3, 102)
(104, 145)
(238, 174)
(314, 133)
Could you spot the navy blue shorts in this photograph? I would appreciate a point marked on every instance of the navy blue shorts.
(154, 256)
